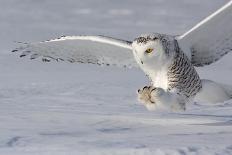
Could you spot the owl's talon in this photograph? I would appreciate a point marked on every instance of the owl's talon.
(153, 89)
(157, 92)
(145, 87)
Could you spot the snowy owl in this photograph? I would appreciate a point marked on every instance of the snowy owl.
(167, 60)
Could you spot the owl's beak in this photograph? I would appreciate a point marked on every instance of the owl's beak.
(141, 61)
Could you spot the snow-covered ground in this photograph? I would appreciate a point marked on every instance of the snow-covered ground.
(62, 108)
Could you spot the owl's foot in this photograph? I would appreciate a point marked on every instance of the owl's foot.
(153, 98)
(144, 96)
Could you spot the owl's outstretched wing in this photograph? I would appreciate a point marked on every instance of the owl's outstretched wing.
(211, 39)
(83, 49)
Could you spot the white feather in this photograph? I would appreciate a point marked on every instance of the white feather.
(209, 40)
(84, 49)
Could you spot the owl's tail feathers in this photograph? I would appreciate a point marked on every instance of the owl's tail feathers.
(213, 92)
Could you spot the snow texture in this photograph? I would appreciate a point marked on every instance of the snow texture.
(64, 108)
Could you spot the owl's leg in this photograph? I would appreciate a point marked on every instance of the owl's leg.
(168, 99)
(154, 98)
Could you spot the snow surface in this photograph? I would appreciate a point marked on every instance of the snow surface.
(63, 108)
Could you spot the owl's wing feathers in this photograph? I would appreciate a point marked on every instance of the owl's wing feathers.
(83, 49)
(211, 39)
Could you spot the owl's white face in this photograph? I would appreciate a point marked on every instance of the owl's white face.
(150, 53)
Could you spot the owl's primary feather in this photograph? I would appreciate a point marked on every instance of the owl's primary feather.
(209, 40)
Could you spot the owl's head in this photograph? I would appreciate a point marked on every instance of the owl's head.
(154, 49)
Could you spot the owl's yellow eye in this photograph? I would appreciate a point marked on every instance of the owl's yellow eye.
(149, 50)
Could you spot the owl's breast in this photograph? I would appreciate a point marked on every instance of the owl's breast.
(158, 76)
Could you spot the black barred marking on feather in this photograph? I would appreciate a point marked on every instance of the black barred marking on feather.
(22, 55)
(15, 50)
(60, 59)
(144, 39)
(183, 76)
(46, 60)
(71, 60)
(34, 56)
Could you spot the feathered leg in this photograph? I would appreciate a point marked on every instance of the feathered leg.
(154, 98)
